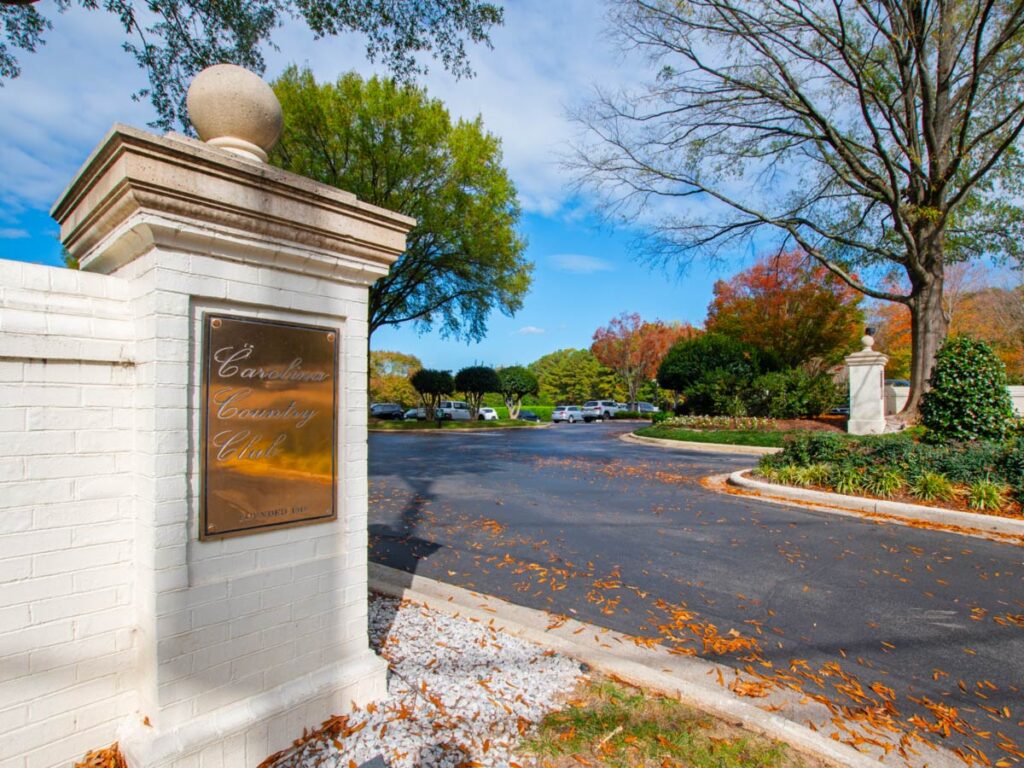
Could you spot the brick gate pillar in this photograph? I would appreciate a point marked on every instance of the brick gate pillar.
(242, 641)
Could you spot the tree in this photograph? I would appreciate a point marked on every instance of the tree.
(710, 370)
(386, 363)
(794, 311)
(516, 383)
(476, 381)
(986, 312)
(573, 376)
(432, 385)
(394, 147)
(996, 315)
(389, 377)
(876, 136)
(174, 39)
(634, 348)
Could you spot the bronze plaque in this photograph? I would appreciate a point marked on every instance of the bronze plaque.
(269, 434)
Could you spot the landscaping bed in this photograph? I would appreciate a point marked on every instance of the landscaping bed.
(740, 430)
(411, 426)
(979, 477)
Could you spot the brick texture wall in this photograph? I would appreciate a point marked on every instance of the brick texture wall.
(66, 473)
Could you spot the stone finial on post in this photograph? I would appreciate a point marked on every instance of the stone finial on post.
(234, 109)
(866, 370)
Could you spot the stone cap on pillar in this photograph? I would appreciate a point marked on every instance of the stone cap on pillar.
(137, 187)
(867, 355)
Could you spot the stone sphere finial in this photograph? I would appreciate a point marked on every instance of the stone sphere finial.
(868, 339)
(234, 109)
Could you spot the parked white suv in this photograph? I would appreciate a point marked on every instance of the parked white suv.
(456, 410)
(599, 409)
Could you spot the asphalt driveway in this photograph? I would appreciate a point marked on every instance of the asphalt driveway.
(906, 634)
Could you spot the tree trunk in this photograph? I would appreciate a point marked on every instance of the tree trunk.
(513, 404)
(928, 329)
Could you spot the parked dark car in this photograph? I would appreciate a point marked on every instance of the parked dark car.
(528, 416)
(387, 411)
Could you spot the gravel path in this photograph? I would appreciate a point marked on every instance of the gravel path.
(460, 693)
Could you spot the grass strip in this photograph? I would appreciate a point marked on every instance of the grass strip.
(608, 724)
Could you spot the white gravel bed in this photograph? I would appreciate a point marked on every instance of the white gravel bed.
(460, 693)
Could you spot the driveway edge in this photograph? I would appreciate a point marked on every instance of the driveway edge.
(897, 509)
(686, 445)
(634, 664)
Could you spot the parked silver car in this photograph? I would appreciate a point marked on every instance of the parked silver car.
(567, 413)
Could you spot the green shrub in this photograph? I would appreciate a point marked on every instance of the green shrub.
(884, 482)
(986, 495)
(711, 371)
(968, 399)
(816, 448)
(847, 479)
(716, 394)
(931, 486)
(815, 474)
(966, 462)
(628, 415)
(791, 394)
(660, 416)
(788, 475)
(766, 468)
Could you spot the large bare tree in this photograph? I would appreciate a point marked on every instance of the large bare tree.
(880, 136)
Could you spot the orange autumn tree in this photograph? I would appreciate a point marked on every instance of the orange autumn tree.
(634, 348)
(789, 307)
(973, 307)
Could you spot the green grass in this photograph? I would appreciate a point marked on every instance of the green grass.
(724, 437)
(612, 725)
(412, 426)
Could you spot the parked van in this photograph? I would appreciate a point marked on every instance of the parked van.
(456, 410)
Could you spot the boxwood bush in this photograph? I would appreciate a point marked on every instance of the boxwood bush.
(968, 399)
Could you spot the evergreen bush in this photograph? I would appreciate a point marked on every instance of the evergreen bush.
(791, 394)
(968, 399)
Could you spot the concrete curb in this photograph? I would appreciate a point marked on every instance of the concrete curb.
(685, 445)
(616, 654)
(896, 509)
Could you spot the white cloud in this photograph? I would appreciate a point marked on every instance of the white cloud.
(580, 264)
(12, 234)
(531, 330)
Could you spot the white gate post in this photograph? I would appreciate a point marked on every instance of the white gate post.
(867, 389)
(240, 642)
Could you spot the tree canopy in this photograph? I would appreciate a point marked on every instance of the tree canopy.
(875, 136)
(476, 381)
(516, 383)
(393, 146)
(574, 376)
(389, 377)
(796, 312)
(174, 39)
(634, 348)
(432, 385)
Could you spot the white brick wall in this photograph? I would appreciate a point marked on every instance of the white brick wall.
(112, 612)
(66, 442)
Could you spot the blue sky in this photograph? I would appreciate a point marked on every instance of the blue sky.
(546, 59)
